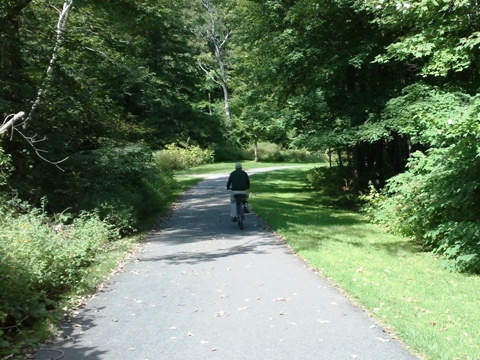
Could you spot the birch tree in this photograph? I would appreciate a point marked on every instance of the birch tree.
(12, 122)
(217, 34)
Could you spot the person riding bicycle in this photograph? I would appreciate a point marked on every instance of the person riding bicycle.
(239, 183)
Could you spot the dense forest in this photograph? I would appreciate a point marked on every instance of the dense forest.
(90, 90)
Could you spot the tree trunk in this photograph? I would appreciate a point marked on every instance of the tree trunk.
(255, 150)
(339, 155)
(61, 27)
(227, 106)
(218, 36)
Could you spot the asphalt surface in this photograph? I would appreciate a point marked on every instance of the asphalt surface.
(201, 288)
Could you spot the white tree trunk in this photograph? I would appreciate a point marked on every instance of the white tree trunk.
(218, 39)
(61, 26)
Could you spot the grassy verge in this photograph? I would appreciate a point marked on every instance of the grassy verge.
(226, 167)
(435, 312)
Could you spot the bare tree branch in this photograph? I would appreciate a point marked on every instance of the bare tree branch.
(10, 121)
(31, 141)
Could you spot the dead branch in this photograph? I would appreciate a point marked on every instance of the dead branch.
(10, 121)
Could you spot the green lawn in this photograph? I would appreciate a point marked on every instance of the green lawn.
(435, 312)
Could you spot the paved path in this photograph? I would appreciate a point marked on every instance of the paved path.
(203, 289)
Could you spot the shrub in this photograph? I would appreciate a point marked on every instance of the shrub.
(40, 259)
(5, 167)
(436, 200)
(228, 152)
(124, 184)
(179, 158)
(331, 181)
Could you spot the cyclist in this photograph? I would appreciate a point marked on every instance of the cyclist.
(239, 183)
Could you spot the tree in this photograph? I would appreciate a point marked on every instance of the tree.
(216, 33)
(110, 86)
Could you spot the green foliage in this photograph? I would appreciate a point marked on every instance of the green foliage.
(228, 152)
(331, 181)
(439, 36)
(270, 152)
(437, 200)
(124, 184)
(42, 257)
(113, 86)
(5, 167)
(177, 157)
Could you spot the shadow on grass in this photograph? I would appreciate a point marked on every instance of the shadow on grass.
(311, 218)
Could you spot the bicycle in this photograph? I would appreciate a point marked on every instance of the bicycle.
(240, 200)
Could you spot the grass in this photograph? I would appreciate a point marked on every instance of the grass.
(226, 167)
(435, 312)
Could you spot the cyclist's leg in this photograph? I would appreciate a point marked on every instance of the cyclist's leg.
(245, 208)
(233, 207)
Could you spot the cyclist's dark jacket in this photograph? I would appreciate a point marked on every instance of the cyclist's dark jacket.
(238, 180)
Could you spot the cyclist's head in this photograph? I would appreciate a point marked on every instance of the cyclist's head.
(238, 165)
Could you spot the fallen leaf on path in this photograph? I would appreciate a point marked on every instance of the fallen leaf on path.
(204, 342)
(280, 299)
(190, 334)
(383, 340)
(214, 349)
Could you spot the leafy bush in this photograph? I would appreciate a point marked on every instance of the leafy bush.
(228, 152)
(332, 181)
(124, 184)
(437, 200)
(39, 259)
(5, 167)
(179, 158)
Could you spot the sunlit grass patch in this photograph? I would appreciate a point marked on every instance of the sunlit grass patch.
(435, 312)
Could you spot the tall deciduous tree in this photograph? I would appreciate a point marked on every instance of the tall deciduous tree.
(215, 31)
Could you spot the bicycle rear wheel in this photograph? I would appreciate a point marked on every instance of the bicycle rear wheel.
(240, 215)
